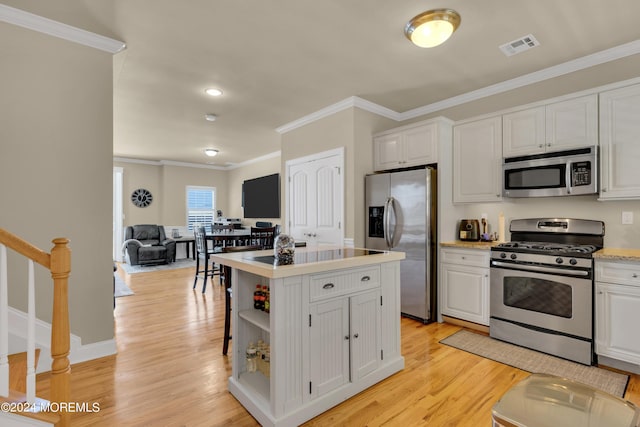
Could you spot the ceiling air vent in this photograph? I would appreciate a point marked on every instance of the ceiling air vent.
(519, 45)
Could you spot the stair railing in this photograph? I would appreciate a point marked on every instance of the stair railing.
(58, 262)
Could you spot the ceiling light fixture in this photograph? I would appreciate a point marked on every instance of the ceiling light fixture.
(213, 92)
(432, 28)
(210, 117)
(210, 152)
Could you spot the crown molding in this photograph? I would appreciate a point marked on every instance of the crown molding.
(196, 165)
(256, 160)
(607, 55)
(57, 29)
(346, 103)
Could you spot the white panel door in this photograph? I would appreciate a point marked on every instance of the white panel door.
(365, 334)
(329, 346)
(315, 200)
(619, 146)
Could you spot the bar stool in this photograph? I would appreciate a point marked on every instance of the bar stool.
(227, 294)
(204, 252)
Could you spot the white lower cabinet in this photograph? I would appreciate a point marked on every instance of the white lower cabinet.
(618, 310)
(332, 335)
(345, 342)
(464, 284)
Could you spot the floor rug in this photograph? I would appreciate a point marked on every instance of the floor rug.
(179, 263)
(535, 362)
(121, 288)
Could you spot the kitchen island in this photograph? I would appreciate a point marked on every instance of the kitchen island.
(332, 330)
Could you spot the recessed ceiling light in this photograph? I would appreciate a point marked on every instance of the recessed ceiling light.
(213, 92)
(210, 117)
(210, 152)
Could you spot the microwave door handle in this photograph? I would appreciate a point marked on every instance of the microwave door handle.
(388, 236)
(567, 177)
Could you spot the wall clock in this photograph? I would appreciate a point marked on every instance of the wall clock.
(141, 198)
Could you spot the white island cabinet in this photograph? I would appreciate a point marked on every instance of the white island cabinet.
(333, 328)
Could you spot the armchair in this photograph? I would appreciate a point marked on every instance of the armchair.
(148, 244)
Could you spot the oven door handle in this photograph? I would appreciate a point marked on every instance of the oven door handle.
(539, 269)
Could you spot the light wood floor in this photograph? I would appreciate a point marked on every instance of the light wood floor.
(169, 370)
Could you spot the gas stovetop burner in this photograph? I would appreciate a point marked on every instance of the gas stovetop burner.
(546, 247)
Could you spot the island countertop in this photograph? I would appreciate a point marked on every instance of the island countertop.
(310, 259)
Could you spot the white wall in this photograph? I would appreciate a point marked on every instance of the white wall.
(56, 132)
(617, 235)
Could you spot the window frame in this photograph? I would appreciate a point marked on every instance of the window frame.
(202, 215)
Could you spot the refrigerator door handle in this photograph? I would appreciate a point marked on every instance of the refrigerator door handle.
(388, 234)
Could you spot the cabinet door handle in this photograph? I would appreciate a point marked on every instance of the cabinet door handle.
(346, 337)
(355, 335)
(365, 279)
(634, 275)
(600, 292)
(328, 286)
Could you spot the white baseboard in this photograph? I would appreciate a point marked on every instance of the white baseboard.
(78, 352)
(8, 419)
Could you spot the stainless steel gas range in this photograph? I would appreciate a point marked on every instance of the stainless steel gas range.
(541, 288)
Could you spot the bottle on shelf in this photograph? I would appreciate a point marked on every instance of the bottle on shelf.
(257, 294)
(251, 355)
(263, 297)
(267, 303)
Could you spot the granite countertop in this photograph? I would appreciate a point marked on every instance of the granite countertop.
(615, 254)
(469, 245)
(319, 258)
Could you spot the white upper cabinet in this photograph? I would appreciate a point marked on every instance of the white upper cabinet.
(619, 143)
(407, 146)
(477, 161)
(553, 127)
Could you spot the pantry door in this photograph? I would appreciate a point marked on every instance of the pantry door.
(315, 186)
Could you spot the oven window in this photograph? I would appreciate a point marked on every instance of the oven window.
(552, 176)
(539, 295)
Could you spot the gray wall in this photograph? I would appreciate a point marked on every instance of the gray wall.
(56, 124)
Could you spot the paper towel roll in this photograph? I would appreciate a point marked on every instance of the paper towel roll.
(501, 231)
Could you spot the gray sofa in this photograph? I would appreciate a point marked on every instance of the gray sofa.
(148, 244)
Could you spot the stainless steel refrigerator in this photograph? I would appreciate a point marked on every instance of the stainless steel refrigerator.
(401, 216)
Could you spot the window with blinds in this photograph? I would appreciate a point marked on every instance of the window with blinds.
(201, 206)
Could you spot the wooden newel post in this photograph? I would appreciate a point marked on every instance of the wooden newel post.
(60, 367)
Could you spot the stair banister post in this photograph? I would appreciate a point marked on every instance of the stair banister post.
(60, 367)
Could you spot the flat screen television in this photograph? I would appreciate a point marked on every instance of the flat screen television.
(261, 197)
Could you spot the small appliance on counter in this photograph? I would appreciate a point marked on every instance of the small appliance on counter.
(469, 230)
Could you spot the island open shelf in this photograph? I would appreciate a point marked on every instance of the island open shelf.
(333, 302)
(257, 318)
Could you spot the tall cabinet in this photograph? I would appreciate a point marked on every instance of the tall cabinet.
(477, 161)
(619, 146)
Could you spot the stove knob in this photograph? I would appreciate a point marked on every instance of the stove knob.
(503, 255)
(514, 256)
(573, 261)
(559, 260)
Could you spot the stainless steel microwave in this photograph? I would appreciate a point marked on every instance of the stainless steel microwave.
(561, 173)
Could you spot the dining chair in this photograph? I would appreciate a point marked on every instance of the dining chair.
(203, 252)
(220, 229)
(263, 236)
(227, 294)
